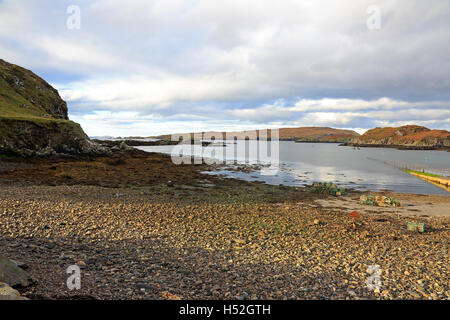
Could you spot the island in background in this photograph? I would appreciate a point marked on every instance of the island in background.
(410, 137)
(301, 134)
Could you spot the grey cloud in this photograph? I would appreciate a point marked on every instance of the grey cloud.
(204, 61)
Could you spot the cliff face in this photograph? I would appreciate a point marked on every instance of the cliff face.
(411, 135)
(33, 117)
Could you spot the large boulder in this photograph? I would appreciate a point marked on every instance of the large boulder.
(11, 274)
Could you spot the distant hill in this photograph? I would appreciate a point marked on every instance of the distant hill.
(411, 136)
(33, 117)
(318, 134)
(301, 134)
(405, 137)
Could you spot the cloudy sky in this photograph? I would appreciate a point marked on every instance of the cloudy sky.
(146, 67)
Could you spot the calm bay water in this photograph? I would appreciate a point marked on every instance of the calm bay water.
(363, 169)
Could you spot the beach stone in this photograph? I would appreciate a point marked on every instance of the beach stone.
(124, 147)
(169, 296)
(13, 275)
(12, 298)
(20, 264)
(8, 293)
(6, 290)
(81, 264)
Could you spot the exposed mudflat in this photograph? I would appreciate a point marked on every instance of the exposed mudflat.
(412, 205)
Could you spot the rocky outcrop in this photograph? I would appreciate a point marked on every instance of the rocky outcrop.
(45, 138)
(14, 276)
(33, 118)
(411, 136)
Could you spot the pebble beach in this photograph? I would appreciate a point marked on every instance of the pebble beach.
(138, 231)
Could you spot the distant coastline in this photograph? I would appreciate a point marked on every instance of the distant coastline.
(396, 146)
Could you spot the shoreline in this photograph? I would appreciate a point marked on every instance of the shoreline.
(230, 172)
(444, 181)
(162, 142)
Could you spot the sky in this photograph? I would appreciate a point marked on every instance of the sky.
(149, 67)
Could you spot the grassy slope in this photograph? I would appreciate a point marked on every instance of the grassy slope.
(33, 115)
(12, 106)
(19, 88)
(24, 95)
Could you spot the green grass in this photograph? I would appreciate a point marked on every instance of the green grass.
(13, 105)
(12, 126)
(27, 99)
(23, 95)
(425, 174)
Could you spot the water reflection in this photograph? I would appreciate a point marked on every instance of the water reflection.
(305, 163)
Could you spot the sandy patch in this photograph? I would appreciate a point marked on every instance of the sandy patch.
(412, 205)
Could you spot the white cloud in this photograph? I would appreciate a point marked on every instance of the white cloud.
(70, 54)
(143, 93)
(338, 113)
(343, 110)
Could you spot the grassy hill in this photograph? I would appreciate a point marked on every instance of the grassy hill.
(33, 117)
(317, 134)
(24, 95)
(410, 135)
